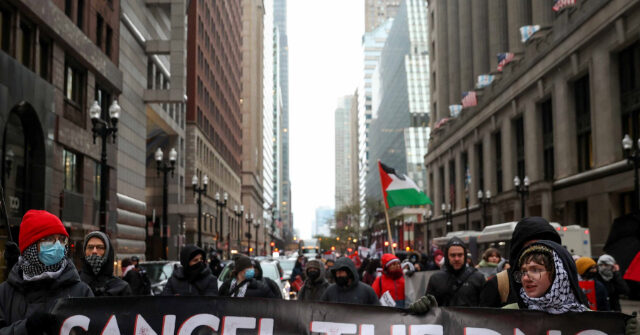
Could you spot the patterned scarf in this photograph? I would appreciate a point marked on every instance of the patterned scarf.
(240, 291)
(559, 299)
(96, 262)
(33, 269)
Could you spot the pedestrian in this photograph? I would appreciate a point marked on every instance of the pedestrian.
(42, 276)
(97, 267)
(136, 277)
(498, 290)
(370, 273)
(327, 270)
(609, 275)
(298, 269)
(592, 287)
(192, 277)
(214, 264)
(488, 266)
(273, 286)
(315, 284)
(456, 284)
(348, 288)
(243, 282)
(391, 281)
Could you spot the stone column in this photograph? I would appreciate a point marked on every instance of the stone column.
(533, 141)
(489, 158)
(454, 51)
(441, 66)
(459, 180)
(564, 132)
(517, 13)
(480, 38)
(508, 155)
(475, 178)
(498, 37)
(542, 12)
(466, 45)
(447, 188)
(437, 195)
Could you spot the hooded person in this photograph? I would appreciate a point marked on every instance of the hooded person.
(193, 277)
(243, 282)
(273, 286)
(609, 275)
(591, 286)
(527, 231)
(348, 288)
(42, 276)
(97, 267)
(315, 284)
(392, 280)
(456, 284)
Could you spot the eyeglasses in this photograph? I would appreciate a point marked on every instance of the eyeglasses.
(50, 240)
(533, 274)
(95, 246)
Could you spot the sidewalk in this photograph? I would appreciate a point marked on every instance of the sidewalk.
(630, 306)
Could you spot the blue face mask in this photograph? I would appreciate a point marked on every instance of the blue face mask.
(249, 274)
(51, 254)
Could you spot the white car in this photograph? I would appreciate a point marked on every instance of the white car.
(269, 270)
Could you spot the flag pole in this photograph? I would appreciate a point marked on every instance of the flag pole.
(386, 214)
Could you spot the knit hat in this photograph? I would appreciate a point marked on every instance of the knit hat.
(583, 264)
(388, 259)
(242, 262)
(37, 224)
(606, 259)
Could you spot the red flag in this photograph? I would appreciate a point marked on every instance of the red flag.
(633, 271)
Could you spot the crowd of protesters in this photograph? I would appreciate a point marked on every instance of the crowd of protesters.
(539, 274)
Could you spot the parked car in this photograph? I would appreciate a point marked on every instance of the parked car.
(287, 266)
(269, 269)
(159, 273)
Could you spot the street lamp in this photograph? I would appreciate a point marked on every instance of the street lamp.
(633, 157)
(429, 215)
(523, 191)
(199, 191)
(447, 211)
(221, 205)
(238, 212)
(103, 129)
(249, 220)
(256, 225)
(165, 169)
(484, 199)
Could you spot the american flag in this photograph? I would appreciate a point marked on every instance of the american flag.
(454, 110)
(528, 31)
(559, 5)
(504, 59)
(469, 99)
(484, 80)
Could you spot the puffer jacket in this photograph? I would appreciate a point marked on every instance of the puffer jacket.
(356, 293)
(104, 283)
(313, 290)
(256, 289)
(19, 299)
(202, 284)
(384, 283)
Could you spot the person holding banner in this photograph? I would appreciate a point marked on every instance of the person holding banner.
(42, 276)
(193, 277)
(348, 288)
(390, 286)
(243, 283)
(97, 269)
(315, 284)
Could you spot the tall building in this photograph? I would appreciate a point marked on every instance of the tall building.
(323, 222)
(555, 115)
(376, 12)
(214, 118)
(154, 72)
(344, 142)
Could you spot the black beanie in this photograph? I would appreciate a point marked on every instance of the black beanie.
(241, 262)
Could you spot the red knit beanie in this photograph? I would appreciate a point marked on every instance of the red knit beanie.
(37, 224)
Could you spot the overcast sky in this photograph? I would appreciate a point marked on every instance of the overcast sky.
(325, 63)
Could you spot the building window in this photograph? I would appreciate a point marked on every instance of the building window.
(5, 29)
(80, 15)
(497, 140)
(70, 168)
(74, 92)
(25, 44)
(99, 29)
(45, 58)
(629, 61)
(519, 129)
(68, 8)
(480, 166)
(452, 183)
(442, 189)
(464, 168)
(109, 38)
(582, 213)
(547, 139)
(583, 123)
(103, 97)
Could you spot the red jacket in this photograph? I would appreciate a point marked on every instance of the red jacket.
(395, 287)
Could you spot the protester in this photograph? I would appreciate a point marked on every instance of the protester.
(193, 277)
(609, 275)
(488, 266)
(298, 268)
(214, 264)
(273, 286)
(42, 276)
(136, 277)
(243, 282)
(348, 288)
(97, 267)
(315, 284)
(456, 284)
(527, 231)
(371, 271)
(327, 267)
(392, 280)
(592, 287)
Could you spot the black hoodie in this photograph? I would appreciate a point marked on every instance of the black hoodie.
(527, 230)
(104, 283)
(355, 293)
(184, 281)
(456, 287)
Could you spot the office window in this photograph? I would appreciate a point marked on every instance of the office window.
(547, 139)
(519, 130)
(497, 140)
(582, 213)
(80, 14)
(71, 171)
(480, 166)
(99, 30)
(5, 29)
(45, 58)
(74, 84)
(25, 45)
(452, 183)
(629, 62)
(103, 97)
(583, 123)
(109, 38)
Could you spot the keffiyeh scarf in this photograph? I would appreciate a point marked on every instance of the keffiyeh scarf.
(96, 262)
(240, 291)
(33, 269)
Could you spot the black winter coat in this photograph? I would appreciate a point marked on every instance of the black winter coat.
(615, 287)
(356, 293)
(104, 283)
(135, 278)
(205, 284)
(312, 290)
(20, 299)
(257, 289)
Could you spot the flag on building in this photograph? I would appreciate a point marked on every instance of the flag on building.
(504, 59)
(454, 110)
(485, 80)
(469, 99)
(400, 190)
(528, 31)
(559, 5)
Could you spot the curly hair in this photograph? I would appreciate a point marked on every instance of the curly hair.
(540, 255)
(490, 252)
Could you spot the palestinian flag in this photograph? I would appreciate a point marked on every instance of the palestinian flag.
(400, 190)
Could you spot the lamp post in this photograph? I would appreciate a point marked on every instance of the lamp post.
(429, 215)
(256, 225)
(523, 191)
(249, 220)
(165, 169)
(447, 211)
(104, 128)
(633, 157)
(484, 199)
(221, 205)
(238, 212)
(199, 190)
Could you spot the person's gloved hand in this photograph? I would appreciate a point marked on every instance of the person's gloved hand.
(632, 326)
(11, 254)
(41, 323)
(423, 305)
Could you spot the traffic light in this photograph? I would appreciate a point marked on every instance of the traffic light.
(250, 249)
(394, 245)
(333, 248)
(407, 248)
(386, 243)
(272, 244)
(350, 250)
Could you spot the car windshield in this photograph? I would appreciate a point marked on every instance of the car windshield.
(226, 272)
(270, 271)
(287, 265)
(157, 272)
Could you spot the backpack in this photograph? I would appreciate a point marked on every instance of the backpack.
(503, 285)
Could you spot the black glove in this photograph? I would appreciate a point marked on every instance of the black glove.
(632, 325)
(11, 254)
(423, 305)
(41, 323)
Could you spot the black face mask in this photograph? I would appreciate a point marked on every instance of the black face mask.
(313, 274)
(342, 281)
(193, 270)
